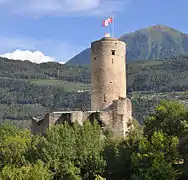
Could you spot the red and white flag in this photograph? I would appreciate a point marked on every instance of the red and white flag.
(105, 22)
(110, 19)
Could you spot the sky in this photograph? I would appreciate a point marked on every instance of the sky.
(57, 30)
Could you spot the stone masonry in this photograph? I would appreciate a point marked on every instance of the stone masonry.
(108, 72)
(109, 104)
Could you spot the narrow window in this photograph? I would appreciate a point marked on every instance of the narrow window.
(112, 61)
(95, 58)
(105, 98)
(113, 52)
(110, 82)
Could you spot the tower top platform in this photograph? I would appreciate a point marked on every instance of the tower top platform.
(108, 39)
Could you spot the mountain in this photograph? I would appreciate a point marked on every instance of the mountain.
(83, 57)
(152, 43)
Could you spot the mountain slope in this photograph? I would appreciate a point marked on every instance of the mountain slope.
(28, 89)
(83, 57)
(155, 42)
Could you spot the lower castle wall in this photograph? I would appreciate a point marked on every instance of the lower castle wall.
(116, 117)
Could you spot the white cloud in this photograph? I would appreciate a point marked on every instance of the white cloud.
(62, 7)
(33, 56)
(30, 49)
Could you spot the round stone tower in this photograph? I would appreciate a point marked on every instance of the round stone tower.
(108, 72)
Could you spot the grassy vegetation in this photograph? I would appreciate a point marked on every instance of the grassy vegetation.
(68, 86)
(148, 63)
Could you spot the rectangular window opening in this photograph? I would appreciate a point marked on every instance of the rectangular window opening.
(113, 52)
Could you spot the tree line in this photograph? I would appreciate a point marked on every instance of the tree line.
(156, 150)
(159, 75)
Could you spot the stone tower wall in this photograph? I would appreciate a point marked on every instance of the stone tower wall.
(108, 72)
(121, 115)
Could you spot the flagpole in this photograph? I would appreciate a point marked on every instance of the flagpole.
(108, 29)
(113, 26)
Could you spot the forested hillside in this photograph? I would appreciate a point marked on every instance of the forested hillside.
(155, 151)
(28, 89)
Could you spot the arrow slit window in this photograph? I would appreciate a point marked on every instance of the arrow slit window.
(105, 98)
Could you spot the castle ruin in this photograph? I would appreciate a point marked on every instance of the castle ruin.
(109, 104)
